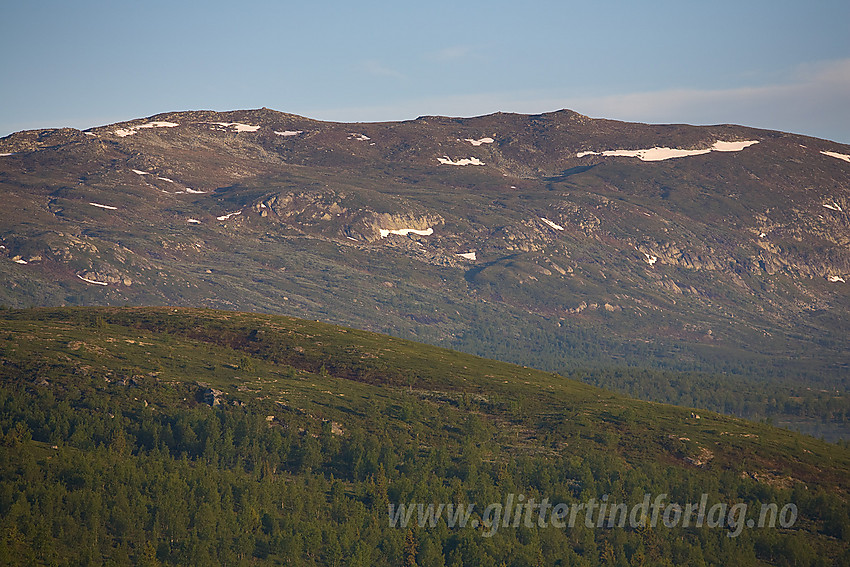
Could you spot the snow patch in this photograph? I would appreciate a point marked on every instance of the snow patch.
(140, 172)
(20, 261)
(193, 221)
(834, 207)
(664, 153)
(124, 132)
(91, 281)
(720, 146)
(358, 137)
(650, 259)
(194, 191)
(405, 231)
(237, 126)
(845, 157)
(7, 154)
(553, 225)
(836, 279)
(289, 132)
(467, 255)
(655, 154)
(228, 215)
(445, 160)
(158, 124)
(165, 179)
(479, 142)
(103, 206)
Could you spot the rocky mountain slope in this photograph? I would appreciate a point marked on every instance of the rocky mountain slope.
(551, 239)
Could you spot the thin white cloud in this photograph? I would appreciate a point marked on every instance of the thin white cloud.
(378, 69)
(814, 101)
(452, 53)
(830, 83)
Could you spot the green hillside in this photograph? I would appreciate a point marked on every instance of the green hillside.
(161, 436)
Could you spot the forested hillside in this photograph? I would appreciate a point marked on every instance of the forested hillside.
(164, 437)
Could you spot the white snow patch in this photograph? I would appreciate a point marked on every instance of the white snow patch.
(195, 191)
(289, 132)
(124, 132)
(158, 124)
(91, 281)
(479, 142)
(350, 238)
(834, 207)
(165, 179)
(103, 206)
(845, 157)
(358, 137)
(227, 216)
(405, 231)
(836, 279)
(655, 154)
(467, 255)
(239, 127)
(664, 153)
(7, 154)
(20, 261)
(720, 146)
(553, 225)
(140, 172)
(193, 221)
(445, 160)
(762, 235)
(650, 259)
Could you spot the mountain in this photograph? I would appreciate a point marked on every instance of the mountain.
(555, 240)
(166, 436)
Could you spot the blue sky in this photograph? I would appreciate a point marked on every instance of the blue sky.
(771, 64)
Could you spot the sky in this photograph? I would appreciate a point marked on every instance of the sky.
(781, 65)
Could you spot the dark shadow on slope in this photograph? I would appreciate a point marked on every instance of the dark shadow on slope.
(570, 172)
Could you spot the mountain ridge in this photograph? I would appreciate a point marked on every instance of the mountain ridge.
(561, 233)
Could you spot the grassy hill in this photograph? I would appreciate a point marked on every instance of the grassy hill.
(190, 436)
